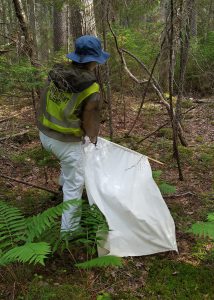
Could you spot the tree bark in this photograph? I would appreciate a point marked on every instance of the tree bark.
(21, 16)
(88, 18)
(75, 20)
(58, 28)
(174, 117)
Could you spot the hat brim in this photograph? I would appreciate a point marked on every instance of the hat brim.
(88, 58)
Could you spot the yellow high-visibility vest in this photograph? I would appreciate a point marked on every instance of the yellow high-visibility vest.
(60, 109)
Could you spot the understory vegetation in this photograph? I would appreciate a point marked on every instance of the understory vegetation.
(157, 93)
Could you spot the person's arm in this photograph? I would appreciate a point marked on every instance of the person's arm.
(91, 117)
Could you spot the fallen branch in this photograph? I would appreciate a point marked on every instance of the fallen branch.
(180, 195)
(151, 80)
(153, 132)
(9, 118)
(160, 94)
(30, 184)
(14, 135)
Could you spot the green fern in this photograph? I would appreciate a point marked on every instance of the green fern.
(100, 262)
(28, 253)
(40, 223)
(29, 240)
(92, 227)
(210, 217)
(17, 234)
(12, 226)
(204, 229)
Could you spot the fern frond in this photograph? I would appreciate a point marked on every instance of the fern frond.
(28, 253)
(203, 229)
(100, 262)
(36, 225)
(210, 217)
(12, 226)
(166, 188)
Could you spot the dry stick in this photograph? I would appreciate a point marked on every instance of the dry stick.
(144, 95)
(9, 118)
(153, 132)
(30, 184)
(180, 195)
(155, 84)
(161, 126)
(14, 135)
(160, 94)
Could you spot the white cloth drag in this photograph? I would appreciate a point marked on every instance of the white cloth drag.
(119, 181)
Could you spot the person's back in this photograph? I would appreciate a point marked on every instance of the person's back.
(69, 110)
(70, 93)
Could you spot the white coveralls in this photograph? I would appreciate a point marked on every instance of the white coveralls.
(70, 155)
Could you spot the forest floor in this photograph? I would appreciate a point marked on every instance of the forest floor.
(186, 275)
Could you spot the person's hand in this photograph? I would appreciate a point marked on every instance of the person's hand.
(93, 140)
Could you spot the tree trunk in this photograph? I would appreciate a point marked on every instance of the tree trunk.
(164, 58)
(75, 20)
(193, 21)
(28, 43)
(58, 28)
(88, 17)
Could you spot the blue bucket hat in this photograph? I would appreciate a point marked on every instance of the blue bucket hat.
(87, 49)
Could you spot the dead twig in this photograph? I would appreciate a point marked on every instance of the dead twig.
(30, 184)
(153, 132)
(9, 118)
(163, 125)
(152, 81)
(180, 195)
(13, 135)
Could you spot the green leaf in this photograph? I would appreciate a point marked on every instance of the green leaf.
(101, 262)
(28, 253)
(210, 217)
(36, 225)
(104, 296)
(203, 229)
(12, 226)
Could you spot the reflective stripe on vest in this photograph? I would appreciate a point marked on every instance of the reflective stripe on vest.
(61, 107)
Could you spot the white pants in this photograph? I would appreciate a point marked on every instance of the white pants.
(70, 155)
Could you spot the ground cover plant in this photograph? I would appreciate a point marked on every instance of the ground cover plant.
(161, 63)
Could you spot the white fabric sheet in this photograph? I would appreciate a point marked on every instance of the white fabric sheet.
(119, 181)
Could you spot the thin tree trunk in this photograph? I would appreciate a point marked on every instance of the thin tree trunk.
(104, 10)
(75, 20)
(174, 117)
(28, 49)
(58, 28)
(88, 17)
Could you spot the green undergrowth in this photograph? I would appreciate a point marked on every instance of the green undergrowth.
(44, 290)
(164, 187)
(175, 280)
(166, 132)
(205, 156)
(31, 201)
(37, 155)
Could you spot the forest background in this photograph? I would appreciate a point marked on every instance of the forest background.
(157, 90)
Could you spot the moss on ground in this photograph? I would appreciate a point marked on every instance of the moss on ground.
(41, 290)
(38, 155)
(174, 280)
